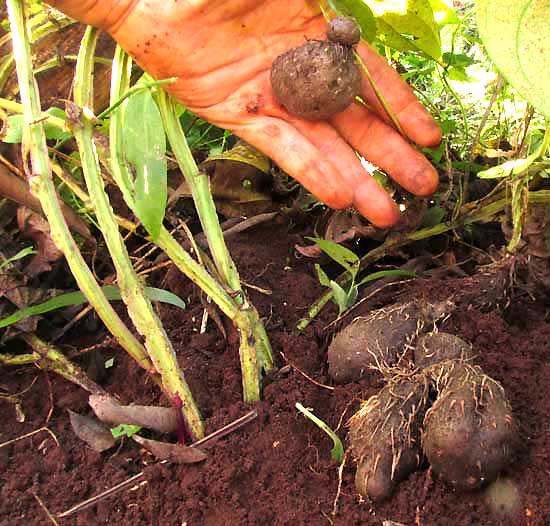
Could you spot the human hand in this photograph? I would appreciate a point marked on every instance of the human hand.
(221, 51)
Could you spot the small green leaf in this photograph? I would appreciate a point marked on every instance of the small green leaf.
(387, 274)
(13, 131)
(340, 296)
(321, 274)
(20, 255)
(53, 132)
(145, 149)
(337, 451)
(362, 14)
(125, 430)
(342, 255)
(112, 292)
(353, 292)
(433, 216)
(444, 12)
(516, 34)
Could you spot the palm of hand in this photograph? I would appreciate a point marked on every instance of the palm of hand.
(222, 51)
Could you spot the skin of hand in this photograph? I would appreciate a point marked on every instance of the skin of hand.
(221, 51)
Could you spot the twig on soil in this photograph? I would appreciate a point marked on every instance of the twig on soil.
(340, 479)
(46, 510)
(305, 375)
(28, 435)
(107, 493)
(50, 396)
(205, 442)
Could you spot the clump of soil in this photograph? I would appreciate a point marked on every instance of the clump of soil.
(319, 78)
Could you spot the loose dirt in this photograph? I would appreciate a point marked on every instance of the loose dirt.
(276, 470)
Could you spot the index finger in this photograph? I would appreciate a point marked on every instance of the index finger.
(413, 117)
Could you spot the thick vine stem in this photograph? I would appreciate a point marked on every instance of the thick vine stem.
(141, 311)
(41, 185)
(255, 350)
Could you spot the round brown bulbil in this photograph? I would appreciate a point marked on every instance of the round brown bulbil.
(344, 30)
(316, 80)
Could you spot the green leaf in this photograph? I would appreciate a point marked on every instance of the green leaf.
(407, 25)
(516, 34)
(513, 167)
(53, 132)
(444, 12)
(340, 296)
(125, 430)
(433, 216)
(112, 292)
(13, 133)
(321, 274)
(342, 255)
(362, 14)
(20, 255)
(145, 148)
(337, 451)
(386, 274)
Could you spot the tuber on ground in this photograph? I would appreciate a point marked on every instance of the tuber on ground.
(376, 341)
(469, 433)
(437, 346)
(385, 435)
(319, 78)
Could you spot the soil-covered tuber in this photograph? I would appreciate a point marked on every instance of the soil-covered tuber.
(469, 433)
(385, 436)
(316, 80)
(437, 346)
(376, 341)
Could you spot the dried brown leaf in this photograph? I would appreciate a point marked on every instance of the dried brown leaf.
(172, 452)
(95, 434)
(108, 410)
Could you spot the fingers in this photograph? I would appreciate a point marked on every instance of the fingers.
(104, 14)
(413, 118)
(297, 156)
(384, 147)
(369, 198)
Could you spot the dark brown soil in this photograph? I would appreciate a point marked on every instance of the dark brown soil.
(277, 470)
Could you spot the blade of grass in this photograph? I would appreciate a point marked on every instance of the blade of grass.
(337, 451)
(112, 292)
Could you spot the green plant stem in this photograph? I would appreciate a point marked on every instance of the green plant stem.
(193, 270)
(202, 196)
(52, 359)
(42, 186)
(391, 114)
(255, 351)
(134, 89)
(15, 107)
(141, 311)
(483, 214)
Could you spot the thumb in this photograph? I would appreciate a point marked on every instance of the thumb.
(104, 14)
